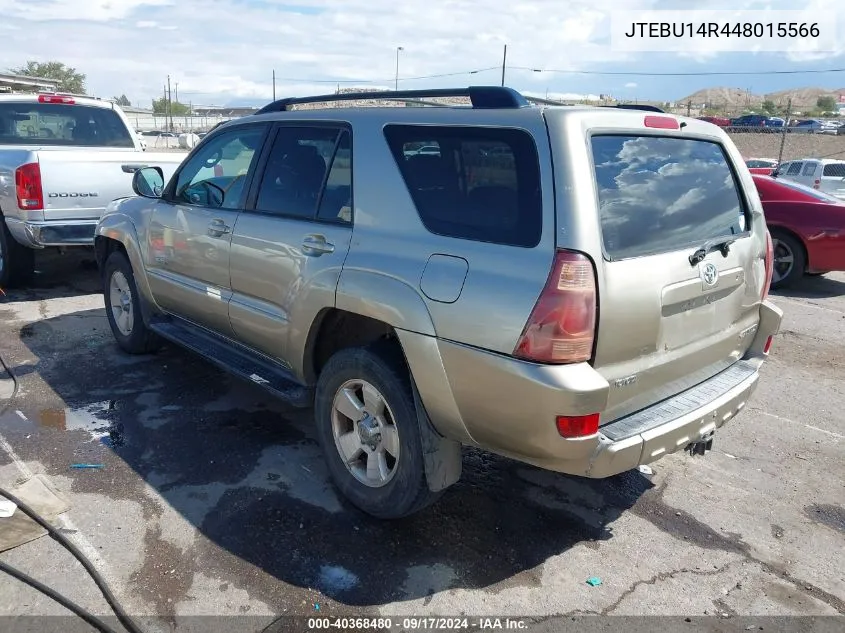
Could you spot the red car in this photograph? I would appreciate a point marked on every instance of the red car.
(807, 228)
(764, 166)
(716, 120)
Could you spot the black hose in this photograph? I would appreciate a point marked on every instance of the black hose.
(122, 616)
(93, 620)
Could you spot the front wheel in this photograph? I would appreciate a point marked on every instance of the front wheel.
(367, 426)
(123, 306)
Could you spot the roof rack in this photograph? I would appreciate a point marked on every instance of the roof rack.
(480, 96)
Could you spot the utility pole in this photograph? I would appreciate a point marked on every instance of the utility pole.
(274, 84)
(504, 63)
(177, 92)
(689, 107)
(169, 105)
(164, 103)
(396, 83)
(785, 126)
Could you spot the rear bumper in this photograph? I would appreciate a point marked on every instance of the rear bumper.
(509, 407)
(58, 233)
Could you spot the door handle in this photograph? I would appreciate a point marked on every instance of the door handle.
(218, 227)
(316, 245)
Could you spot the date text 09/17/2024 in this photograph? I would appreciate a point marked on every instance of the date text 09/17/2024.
(792, 30)
(425, 623)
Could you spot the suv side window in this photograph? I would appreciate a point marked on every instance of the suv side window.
(794, 168)
(296, 169)
(336, 201)
(472, 183)
(809, 169)
(215, 176)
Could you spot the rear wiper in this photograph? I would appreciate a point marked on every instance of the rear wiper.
(723, 245)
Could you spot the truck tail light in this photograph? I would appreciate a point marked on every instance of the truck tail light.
(28, 187)
(561, 328)
(770, 261)
(816, 183)
(56, 99)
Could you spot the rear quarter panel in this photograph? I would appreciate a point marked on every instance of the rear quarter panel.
(820, 227)
(10, 159)
(390, 241)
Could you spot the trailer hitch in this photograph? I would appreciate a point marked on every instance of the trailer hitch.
(701, 446)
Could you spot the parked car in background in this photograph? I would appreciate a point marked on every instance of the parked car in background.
(763, 166)
(824, 174)
(807, 228)
(716, 120)
(439, 303)
(755, 123)
(62, 160)
(807, 126)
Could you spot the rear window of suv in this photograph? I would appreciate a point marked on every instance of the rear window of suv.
(658, 194)
(471, 183)
(834, 170)
(61, 124)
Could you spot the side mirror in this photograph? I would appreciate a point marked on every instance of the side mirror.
(148, 182)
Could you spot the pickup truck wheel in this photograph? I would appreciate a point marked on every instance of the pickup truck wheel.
(789, 260)
(368, 429)
(17, 262)
(123, 307)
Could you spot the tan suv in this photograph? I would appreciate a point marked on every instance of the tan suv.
(582, 289)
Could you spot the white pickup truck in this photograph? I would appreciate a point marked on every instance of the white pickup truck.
(63, 158)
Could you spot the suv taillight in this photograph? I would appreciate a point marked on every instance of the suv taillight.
(562, 324)
(770, 260)
(28, 187)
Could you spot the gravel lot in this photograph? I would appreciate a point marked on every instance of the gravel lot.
(213, 498)
(796, 145)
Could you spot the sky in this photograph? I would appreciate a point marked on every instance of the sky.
(223, 52)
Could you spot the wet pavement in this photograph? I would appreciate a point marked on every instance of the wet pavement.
(211, 498)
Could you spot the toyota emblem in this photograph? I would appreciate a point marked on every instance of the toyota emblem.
(709, 274)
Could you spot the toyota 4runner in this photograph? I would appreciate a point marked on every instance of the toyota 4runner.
(579, 288)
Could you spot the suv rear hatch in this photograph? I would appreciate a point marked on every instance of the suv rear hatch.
(833, 179)
(669, 315)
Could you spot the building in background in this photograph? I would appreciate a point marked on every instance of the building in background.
(22, 83)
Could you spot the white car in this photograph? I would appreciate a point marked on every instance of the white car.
(823, 174)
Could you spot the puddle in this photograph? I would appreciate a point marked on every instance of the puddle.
(334, 579)
(92, 418)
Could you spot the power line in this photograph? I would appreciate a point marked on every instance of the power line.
(682, 74)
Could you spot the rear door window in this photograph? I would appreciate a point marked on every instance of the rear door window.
(809, 169)
(658, 194)
(472, 183)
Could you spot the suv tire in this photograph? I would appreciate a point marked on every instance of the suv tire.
(396, 485)
(123, 306)
(17, 262)
(787, 245)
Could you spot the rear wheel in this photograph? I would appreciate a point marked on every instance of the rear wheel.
(367, 426)
(123, 306)
(789, 260)
(17, 262)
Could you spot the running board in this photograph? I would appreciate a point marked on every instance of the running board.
(235, 359)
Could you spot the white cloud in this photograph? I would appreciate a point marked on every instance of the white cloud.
(227, 49)
(631, 84)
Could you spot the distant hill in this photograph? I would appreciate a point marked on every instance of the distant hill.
(723, 96)
(740, 98)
